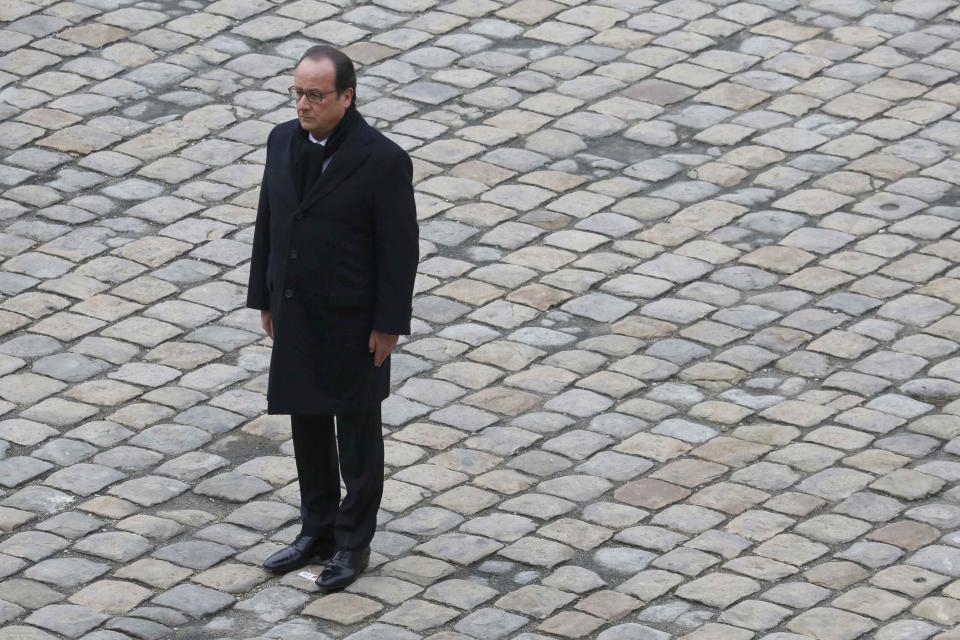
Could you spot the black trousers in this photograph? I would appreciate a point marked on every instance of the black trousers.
(354, 451)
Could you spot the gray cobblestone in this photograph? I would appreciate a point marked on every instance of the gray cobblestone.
(685, 315)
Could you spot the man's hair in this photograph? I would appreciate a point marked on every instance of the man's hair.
(345, 76)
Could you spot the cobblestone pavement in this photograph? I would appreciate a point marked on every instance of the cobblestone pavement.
(685, 355)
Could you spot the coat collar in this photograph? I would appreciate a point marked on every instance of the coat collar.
(352, 152)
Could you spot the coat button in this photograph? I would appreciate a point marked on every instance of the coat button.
(293, 254)
(288, 293)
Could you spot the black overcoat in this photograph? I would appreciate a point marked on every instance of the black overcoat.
(333, 266)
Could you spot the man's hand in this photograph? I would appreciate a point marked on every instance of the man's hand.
(266, 320)
(380, 345)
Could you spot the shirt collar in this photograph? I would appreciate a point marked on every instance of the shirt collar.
(315, 141)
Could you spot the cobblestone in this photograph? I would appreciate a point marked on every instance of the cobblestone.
(684, 353)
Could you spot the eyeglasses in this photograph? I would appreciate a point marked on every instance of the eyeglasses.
(312, 96)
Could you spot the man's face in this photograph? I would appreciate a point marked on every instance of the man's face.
(319, 118)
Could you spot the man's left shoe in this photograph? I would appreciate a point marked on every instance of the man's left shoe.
(342, 569)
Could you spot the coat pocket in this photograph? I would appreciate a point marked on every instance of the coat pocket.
(352, 299)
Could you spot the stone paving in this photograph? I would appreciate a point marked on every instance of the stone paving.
(685, 355)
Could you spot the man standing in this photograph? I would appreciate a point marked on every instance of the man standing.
(334, 260)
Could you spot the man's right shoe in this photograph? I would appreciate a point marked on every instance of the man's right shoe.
(299, 554)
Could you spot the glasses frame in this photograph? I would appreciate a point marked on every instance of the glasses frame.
(312, 96)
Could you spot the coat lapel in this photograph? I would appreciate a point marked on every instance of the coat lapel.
(351, 154)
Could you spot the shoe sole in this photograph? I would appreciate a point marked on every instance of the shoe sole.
(301, 565)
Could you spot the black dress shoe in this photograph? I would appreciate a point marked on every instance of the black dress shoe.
(342, 569)
(299, 554)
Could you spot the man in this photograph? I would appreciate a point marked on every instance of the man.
(334, 259)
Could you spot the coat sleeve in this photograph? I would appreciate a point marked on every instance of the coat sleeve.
(258, 296)
(396, 243)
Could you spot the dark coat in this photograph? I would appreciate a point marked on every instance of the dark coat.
(332, 267)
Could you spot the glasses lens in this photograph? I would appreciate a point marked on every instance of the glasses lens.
(311, 96)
